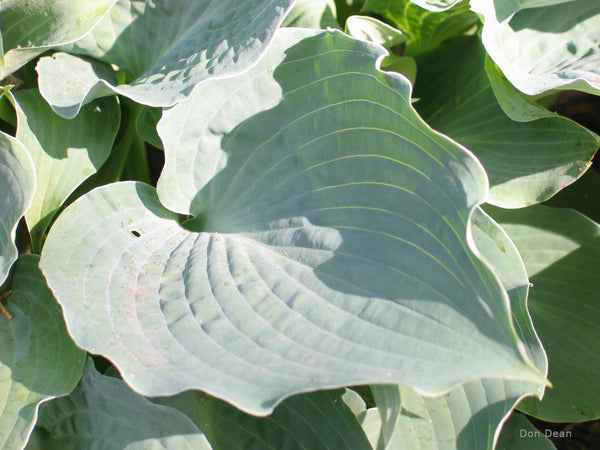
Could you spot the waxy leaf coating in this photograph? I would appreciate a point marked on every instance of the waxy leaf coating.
(330, 242)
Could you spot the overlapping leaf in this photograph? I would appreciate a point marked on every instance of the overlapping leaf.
(543, 48)
(328, 244)
(64, 152)
(165, 47)
(561, 251)
(30, 27)
(315, 420)
(429, 27)
(527, 162)
(17, 186)
(470, 415)
(103, 411)
(38, 360)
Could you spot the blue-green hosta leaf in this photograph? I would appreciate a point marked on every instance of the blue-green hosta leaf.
(64, 152)
(427, 28)
(17, 186)
(145, 125)
(329, 244)
(470, 415)
(527, 162)
(561, 250)
(103, 412)
(165, 47)
(544, 48)
(318, 14)
(308, 421)
(30, 27)
(38, 360)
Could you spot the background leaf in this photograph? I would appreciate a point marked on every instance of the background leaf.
(165, 48)
(17, 185)
(30, 27)
(64, 152)
(427, 28)
(540, 49)
(308, 421)
(103, 411)
(312, 14)
(561, 251)
(306, 254)
(518, 433)
(527, 162)
(38, 360)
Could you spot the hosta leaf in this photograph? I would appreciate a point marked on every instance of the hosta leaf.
(165, 47)
(470, 415)
(30, 27)
(561, 250)
(312, 14)
(65, 152)
(328, 247)
(146, 125)
(544, 48)
(527, 162)
(17, 185)
(427, 28)
(316, 420)
(38, 360)
(102, 412)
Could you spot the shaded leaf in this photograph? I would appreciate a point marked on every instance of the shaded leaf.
(561, 250)
(103, 411)
(145, 125)
(314, 259)
(38, 360)
(527, 162)
(17, 186)
(518, 433)
(64, 152)
(165, 47)
(583, 196)
(307, 421)
(30, 27)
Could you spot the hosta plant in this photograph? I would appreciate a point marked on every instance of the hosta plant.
(310, 224)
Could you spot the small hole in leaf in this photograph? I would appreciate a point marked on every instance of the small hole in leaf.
(135, 233)
(191, 223)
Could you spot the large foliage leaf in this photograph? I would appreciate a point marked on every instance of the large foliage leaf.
(527, 162)
(38, 360)
(561, 251)
(165, 47)
(17, 186)
(103, 411)
(427, 28)
(309, 262)
(30, 27)
(470, 415)
(543, 48)
(64, 152)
